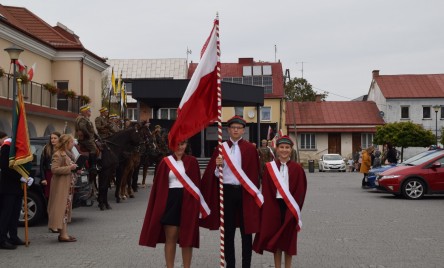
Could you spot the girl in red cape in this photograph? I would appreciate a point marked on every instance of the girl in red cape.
(172, 215)
(278, 232)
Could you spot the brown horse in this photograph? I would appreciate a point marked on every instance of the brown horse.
(123, 144)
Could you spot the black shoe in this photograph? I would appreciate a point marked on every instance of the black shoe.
(7, 245)
(16, 241)
(107, 206)
(102, 206)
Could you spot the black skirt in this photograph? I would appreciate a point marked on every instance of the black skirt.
(282, 208)
(173, 208)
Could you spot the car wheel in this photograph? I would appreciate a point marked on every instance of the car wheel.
(413, 189)
(35, 210)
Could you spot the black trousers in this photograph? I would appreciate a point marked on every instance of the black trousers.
(11, 204)
(233, 209)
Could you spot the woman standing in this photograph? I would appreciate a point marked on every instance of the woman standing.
(284, 185)
(173, 207)
(60, 197)
(366, 164)
(45, 162)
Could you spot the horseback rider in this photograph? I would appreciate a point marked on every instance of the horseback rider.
(115, 123)
(86, 136)
(103, 124)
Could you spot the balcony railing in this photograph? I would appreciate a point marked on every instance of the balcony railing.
(36, 94)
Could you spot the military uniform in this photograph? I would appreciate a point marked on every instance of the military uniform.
(86, 136)
(104, 127)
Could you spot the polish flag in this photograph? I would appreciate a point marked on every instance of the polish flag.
(270, 132)
(21, 66)
(281, 133)
(198, 106)
(31, 72)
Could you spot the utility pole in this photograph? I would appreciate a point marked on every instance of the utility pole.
(275, 52)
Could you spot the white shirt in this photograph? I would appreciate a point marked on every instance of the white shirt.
(235, 152)
(173, 182)
(284, 175)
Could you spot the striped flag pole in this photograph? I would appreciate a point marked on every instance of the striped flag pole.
(219, 141)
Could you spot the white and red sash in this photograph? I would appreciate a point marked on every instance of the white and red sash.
(241, 176)
(288, 198)
(189, 186)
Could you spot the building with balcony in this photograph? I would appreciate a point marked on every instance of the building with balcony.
(67, 74)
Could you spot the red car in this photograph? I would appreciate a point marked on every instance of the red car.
(417, 178)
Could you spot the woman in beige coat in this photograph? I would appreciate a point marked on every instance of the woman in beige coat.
(60, 197)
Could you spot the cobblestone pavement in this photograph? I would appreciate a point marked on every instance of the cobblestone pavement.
(343, 226)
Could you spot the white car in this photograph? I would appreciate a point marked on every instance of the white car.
(331, 162)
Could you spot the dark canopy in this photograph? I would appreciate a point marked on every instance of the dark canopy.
(168, 93)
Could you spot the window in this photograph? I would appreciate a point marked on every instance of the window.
(265, 81)
(366, 140)
(167, 113)
(266, 113)
(129, 88)
(426, 112)
(442, 112)
(308, 141)
(131, 114)
(246, 71)
(257, 70)
(239, 111)
(405, 112)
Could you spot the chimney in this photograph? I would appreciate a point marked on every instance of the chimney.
(246, 60)
(318, 98)
(375, 73)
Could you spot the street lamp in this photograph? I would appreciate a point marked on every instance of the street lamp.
(436, 108)
(14, 53)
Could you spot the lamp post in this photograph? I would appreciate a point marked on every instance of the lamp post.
(14, 53)
(436, 108)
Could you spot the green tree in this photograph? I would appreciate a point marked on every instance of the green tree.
(404, 135)
(298, 89)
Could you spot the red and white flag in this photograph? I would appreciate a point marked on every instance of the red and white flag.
(21, 66)
(269, 133)
(281, 133)
(31, 72)
(198, 106)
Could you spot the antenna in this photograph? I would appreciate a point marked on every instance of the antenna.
(188, 52)
(302, 70)
(275, 52)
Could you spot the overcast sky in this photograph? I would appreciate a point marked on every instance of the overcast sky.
(339, 42)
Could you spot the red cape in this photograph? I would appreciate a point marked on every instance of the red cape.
(152, 230)
(210, 190)
(273, 235)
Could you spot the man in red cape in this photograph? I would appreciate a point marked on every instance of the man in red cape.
(240, 209)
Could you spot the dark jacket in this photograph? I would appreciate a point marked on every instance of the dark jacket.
(10, 179)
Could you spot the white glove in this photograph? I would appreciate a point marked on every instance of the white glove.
(28, 181)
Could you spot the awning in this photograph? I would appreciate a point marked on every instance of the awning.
(158, 93)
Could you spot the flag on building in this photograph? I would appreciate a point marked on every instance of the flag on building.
(31, 72)
(113, 82)
(20, 155)
(21, 65)
(198, 106)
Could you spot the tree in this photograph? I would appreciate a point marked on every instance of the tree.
(298, 89)
(404, 135)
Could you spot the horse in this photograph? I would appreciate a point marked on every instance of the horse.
(156, 148)
(116, 153)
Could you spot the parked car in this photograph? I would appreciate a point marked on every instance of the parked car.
(374, 172)
(331, 162)
(413, 180)
(37, 203)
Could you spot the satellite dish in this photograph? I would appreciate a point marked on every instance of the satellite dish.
(381, 113)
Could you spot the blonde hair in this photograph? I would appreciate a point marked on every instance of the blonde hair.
(63, 142)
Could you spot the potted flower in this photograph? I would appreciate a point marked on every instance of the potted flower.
(69, 93)
(24, 78)
(51, 88)
(85, 99)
